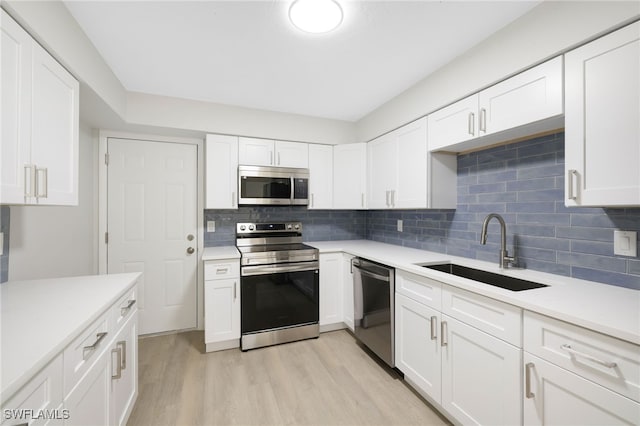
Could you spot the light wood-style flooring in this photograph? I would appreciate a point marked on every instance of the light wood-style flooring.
(326, 381)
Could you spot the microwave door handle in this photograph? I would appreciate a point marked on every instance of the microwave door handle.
(293, 189)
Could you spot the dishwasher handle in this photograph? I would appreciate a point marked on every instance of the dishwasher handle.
(370, 274)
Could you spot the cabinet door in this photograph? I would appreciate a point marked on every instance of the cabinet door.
(54, 130)
(88, 403)
(292, 154)
(222, 310)
(602, 131)
(124, 372)
(455, 123)
(480, 376)
(350, 176)
(418, 345)
(410, 191)
(331, 291)
(16, 112)
(555, 396)
(530, 96)
(256, 152)
(320, 176)
(221, 172)
(347, 289)
(382, 169)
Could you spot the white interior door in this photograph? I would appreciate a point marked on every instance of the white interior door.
(151, 216)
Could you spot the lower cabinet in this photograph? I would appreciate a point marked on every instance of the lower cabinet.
(124, 373)
(221, 304)
(88, 403)
(331, 291)
(347, 290)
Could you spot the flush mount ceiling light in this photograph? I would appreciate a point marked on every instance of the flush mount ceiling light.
(315, 16)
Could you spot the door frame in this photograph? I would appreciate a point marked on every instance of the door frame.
(103, 137)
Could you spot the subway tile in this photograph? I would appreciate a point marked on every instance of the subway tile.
(545, 218)
(533, 230)
(603, 263)
(487, 187)
(497, 197)
(582, 233)
(546, 159)
(549, 267)
(531, 207)
(540, 195)
(496, 177)
(545, 255)
(556, 244)
(591, 221)
(633, 267)
(531, 184)
(487, 208)
(540, 171)
(592, 247)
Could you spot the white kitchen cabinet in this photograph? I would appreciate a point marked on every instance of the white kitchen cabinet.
(88, 403)
(602, 130)
(347, 288)
(525, 104)
(350, 176)
(40, 117)
(124, 372)
(331, 291)
(221, 171)
(221, 304)
(417, 346)
(402, 174)
(320, 177)
(266, 152)
(555, 396)
(480, 376)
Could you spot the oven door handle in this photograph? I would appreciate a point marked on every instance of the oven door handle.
(274, 269)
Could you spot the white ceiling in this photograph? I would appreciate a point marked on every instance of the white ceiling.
(247, 53)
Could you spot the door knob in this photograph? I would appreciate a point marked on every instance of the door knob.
(190, 250)
(190, 237)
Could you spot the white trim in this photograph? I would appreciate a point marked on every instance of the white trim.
(103, 136)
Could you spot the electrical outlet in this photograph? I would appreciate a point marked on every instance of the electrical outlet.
(211, 226)
(399, 225)
(625, 243)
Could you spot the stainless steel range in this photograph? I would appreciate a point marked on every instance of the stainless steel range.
(279, 284)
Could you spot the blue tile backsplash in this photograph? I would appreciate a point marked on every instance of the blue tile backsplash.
(524, 182)
(4, 258)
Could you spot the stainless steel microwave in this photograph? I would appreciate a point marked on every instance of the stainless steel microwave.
(273, 186)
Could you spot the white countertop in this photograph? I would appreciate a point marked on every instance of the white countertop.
(220, 253)
(600, 307)
(41, 317)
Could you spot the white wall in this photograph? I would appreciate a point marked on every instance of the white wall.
(52, 241)
(546, 31)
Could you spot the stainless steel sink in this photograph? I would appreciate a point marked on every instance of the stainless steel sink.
(497, 280)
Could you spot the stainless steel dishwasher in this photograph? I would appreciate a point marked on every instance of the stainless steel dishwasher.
(373, 296)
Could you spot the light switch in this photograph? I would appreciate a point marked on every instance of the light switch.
(625, 243)
(211, 226)
(399, 225)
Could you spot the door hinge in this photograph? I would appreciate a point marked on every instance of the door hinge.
(106, 158)
(106, 238)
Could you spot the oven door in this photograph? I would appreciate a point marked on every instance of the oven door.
(277, 296)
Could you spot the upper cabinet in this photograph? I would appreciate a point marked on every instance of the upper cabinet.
(350, 176)
(221, 153)
(602, 133)
(265, 152)
(320, 176)
(525, 104)
(402, 174)
(39, 147)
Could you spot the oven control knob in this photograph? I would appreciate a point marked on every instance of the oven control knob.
(242, 227)
(289, 226)
(251, 227)
(297, 226)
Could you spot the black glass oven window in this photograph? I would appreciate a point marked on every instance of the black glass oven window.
(300, 188)
(265, 187)
(279, 300)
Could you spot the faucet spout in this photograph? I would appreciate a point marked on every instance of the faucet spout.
(505, 259)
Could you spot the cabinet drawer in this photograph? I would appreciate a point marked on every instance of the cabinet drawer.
(80, 355)
(420, 289)
(221, 269)
(43, 392)
(499, 319)
(587, 353)
(124, 308)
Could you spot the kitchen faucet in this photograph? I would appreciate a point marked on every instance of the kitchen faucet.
(505, 259)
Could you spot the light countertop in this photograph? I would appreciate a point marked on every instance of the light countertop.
(607, 309)
(220, 253)
(41, 317)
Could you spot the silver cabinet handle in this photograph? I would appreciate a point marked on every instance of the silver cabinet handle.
(527, 379)
(45, 182)
(271, 158)
(471, 124)
(233, 199)
(118, 352)
(443, 333)
(571, 173)
(311, 204)
(434, 328)
(393, 197)
(362, 199)
(125, 309)
(483, 120)
(89, 349)
(278, 158)
(123, 345)
(386, 198)
(608, 364)
(29, 180)
(235, 295)
(221, 271)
